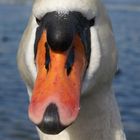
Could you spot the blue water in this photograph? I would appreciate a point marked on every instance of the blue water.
(14, 122)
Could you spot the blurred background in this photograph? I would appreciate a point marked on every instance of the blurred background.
(14, 14)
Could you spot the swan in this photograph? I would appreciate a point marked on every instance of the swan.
(67, 59)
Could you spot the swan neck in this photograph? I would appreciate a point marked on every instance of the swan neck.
(99, 117)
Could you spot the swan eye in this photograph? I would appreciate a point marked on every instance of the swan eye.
(38, 21)
(92, 22)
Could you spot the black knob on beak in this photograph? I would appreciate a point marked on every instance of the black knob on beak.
(59, 38)
(51, 123)
(60, 32)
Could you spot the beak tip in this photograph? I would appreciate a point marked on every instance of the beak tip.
(51, 121)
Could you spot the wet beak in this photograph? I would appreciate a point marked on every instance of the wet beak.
(55, 101)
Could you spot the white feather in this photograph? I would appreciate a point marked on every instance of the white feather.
(29, 58)
(95, 59)
(87, 7)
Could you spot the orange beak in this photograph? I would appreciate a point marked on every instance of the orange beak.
(54, 85)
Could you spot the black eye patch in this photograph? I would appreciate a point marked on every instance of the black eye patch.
(38, 21)
(92, 22)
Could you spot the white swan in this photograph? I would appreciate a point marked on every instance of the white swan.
(67, 59)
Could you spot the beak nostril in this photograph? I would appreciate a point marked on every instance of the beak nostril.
(47, 57)
(70, 61)
(51, 123)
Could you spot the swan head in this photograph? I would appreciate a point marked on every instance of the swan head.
(73, 51)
